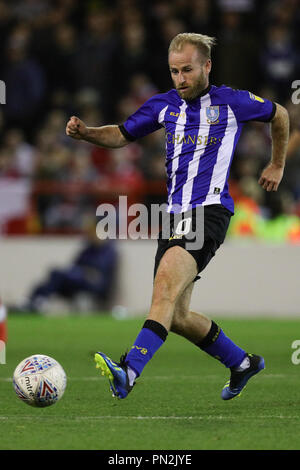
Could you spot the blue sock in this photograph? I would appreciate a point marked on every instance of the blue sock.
(149, 340)
(219, 346)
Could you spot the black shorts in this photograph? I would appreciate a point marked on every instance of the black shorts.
(216, 221)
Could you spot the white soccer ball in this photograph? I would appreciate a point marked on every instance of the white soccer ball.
(39, 380)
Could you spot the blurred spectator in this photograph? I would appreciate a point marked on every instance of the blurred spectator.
(6, 24)
(168, 27)
(25, 82)
(140, 89)
(282, 225)
(235, 57)
(294, 143)
(20, 153)
(95, 56)
(202, 16)
(92, 273)
(101, 61)
(279, 60)
(291, 180)
(29, 10)
(60, 60)
(277, 223)
(153, 162)
(134, 57)
(248, 197)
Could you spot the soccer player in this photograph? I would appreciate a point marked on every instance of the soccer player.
(202, 125)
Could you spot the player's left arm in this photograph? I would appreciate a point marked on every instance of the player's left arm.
(272, 175)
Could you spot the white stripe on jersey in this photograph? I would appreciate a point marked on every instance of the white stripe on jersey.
(161, 115)
(220, 170)
(193, 168)
(179, 131)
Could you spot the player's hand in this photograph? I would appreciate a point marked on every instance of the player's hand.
(76, 128)
(271, 177)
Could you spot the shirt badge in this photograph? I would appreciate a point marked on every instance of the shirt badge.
(212, 114)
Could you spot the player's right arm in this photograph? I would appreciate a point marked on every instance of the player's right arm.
(141, 123)
(104, 136)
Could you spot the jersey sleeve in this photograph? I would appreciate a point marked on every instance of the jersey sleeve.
(250, 107)
(143, 122)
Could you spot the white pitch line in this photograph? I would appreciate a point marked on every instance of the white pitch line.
(141, 418)
(161, 377)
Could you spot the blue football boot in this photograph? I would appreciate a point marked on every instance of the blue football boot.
(116, 374)
(238, 379)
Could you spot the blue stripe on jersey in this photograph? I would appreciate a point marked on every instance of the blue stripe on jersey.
(188, 149)
(174, 129)
(209, 157)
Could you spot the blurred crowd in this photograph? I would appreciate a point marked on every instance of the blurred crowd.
(100, 60)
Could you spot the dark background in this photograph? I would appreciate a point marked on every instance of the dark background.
(100, 60)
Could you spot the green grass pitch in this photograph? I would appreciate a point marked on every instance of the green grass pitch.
(176, 404)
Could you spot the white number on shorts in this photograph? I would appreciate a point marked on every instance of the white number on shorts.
(184, 226)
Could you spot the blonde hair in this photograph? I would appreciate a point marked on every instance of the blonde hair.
(202, 42)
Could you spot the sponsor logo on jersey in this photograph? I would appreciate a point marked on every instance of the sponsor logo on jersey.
(195, 139)
(255, 97)
(183, 114)
(175, 237)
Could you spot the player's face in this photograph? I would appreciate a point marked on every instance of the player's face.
(189, 71)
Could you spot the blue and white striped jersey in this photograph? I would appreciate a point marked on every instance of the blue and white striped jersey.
(201, 136)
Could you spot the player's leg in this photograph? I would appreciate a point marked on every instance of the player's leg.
(204, 333)
(200, 330)
(210, 338)
(176, 271)
(191, 325)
